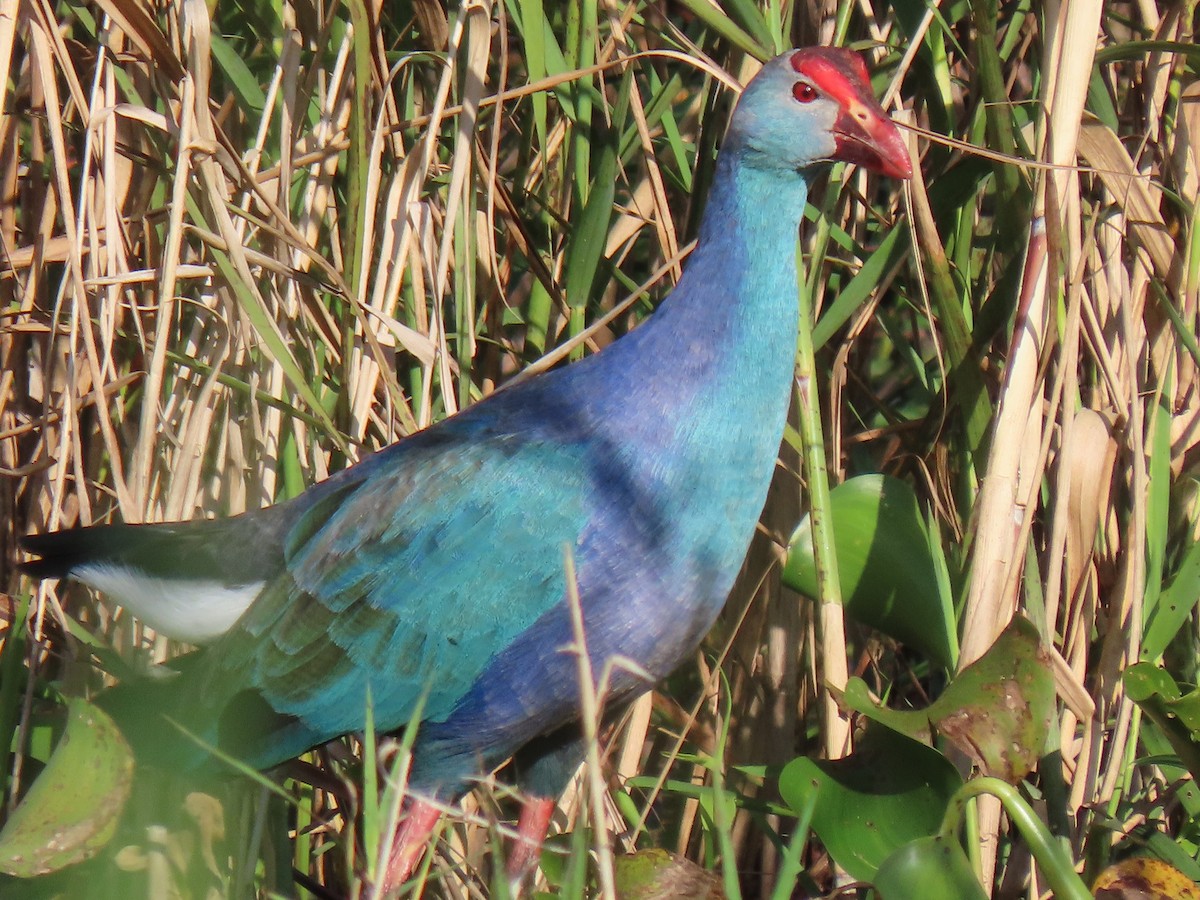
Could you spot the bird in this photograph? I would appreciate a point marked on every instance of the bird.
(432, 576)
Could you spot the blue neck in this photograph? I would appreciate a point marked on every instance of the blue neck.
(742, 275)
(758, 208)
(690, 414)
(727, 333)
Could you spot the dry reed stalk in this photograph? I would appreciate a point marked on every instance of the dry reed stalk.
(1007, 498)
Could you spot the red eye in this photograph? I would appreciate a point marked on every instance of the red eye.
(804, 92)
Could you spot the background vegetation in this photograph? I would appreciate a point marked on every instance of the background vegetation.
(241, 245)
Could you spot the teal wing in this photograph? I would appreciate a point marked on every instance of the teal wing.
(408, 583)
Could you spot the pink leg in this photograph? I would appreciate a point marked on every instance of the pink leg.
(409, 843)
(531, 831)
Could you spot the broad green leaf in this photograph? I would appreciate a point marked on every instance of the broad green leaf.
(887, 562)
(998, 710)
(913, 723)
(888, 792)
(1160, 753)
(72, 809)
(564, 862)
(1176, 714)
(925, 868)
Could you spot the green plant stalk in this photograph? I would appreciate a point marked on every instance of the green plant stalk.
(581, 50)
(1016, 22)
(791, 865)
(574, 884)
(534, 28)
(974, 839)
(942, 80)
(500, 888)
(819, 242)
(841, 26)
(234, 763)
(464, 295)
(774, 17)
(241, 386)
(1130, 756)
(722, 820)
(1192, 283)
(812, 441)
(303, 849)
(723, 826)
(1158, 499)
(1060, 873)
(816, 476)
(753, 22)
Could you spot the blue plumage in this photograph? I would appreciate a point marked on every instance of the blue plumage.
(433, 570)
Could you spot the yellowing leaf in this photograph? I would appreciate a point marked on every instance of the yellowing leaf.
(72, 809)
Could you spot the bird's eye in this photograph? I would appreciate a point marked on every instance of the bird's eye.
(804, 92)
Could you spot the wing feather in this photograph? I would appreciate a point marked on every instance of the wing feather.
(415, 580)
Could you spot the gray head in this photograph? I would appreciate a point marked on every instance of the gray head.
(813, 105)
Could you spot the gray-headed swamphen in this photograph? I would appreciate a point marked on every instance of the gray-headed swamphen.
(433, 570)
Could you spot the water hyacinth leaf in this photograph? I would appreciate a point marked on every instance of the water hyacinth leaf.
(928, 867)
(1145, 878)
(913, 723)
(1146, 840)
(1177, 715)
(72, 809)
(888, 563)
(890, 791)
(997, 710)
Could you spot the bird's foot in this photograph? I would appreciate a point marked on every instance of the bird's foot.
(409, 844)
(531, 832)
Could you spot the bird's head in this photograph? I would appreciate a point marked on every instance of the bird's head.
(816, 105)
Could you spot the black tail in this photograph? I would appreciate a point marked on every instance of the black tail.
(62, 551)
(238, 550)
